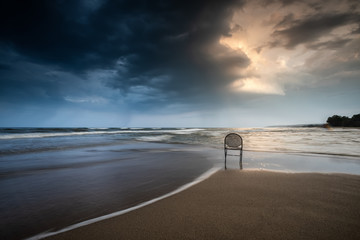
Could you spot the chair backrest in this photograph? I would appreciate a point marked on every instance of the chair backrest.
(233, 141)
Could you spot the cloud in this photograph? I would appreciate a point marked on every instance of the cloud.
(332, 44)
(56, 33)
(255, 85)
(4, 67)
(339, 65)
(143, 56)
(91, 99)
(291, 33)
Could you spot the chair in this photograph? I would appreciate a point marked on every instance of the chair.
(233, 141)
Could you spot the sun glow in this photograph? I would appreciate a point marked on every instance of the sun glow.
(256, 85)
(268, 65)
(259, 76)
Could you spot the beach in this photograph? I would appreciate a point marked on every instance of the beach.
(243, 204)
(56, 179)
(169, 119)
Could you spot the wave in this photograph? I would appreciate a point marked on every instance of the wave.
(290, 151)
(44, 135)
(185, 131)
(60, 132)
(291, 140)
(155, 138)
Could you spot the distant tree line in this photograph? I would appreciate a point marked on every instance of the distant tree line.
(343, 121)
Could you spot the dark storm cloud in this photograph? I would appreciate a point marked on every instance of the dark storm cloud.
(292, 32)
(25, 82)
(141, 40)
(282, 2)
(4, 67)
(56, 32)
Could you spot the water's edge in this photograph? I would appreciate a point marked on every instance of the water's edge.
(201, 178)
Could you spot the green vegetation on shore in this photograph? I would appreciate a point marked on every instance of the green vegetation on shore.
(343, 121)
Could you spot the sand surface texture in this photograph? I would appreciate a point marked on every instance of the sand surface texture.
(244, 205)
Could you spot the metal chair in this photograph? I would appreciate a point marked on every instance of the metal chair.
(233, 141)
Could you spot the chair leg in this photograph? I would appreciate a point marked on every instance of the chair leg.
(240, 162)
(225, 157)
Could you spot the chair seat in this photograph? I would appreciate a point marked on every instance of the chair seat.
(233, 148)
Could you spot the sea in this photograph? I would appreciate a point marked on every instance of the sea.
(52, 178)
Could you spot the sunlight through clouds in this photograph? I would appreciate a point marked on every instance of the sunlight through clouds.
(284, 42)
(255, 85)
(260, 77)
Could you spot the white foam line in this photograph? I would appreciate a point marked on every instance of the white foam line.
(64, 134)
(201, 178)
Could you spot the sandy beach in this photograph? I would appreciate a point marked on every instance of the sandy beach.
(245, 204)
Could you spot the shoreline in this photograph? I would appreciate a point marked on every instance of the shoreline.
(96, 182)
(251, 204)
(298, 172)
(84, 184)
(199, 179)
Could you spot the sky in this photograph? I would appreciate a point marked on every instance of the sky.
(164, 63)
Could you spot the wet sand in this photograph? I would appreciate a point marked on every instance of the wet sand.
(61, 188)
(245, 204)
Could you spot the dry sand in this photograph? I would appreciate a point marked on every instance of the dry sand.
(244, 205)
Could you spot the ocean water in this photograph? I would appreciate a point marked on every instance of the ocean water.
(51, 178)
(308, 140)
